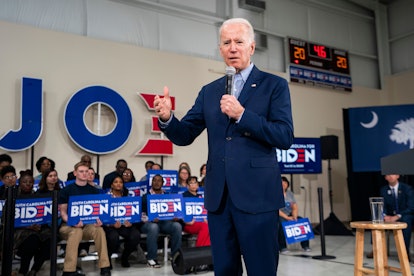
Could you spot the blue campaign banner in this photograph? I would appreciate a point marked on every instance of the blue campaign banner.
(297, 230)
(303, 157)
(200, 191)
(88, 208)
(31, 211)
(178, 190)
(137, 188)
(379, 131)
(194, 209)
(165, 206)
(126, 209)
(170, 178)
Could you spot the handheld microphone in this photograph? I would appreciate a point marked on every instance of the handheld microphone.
(230, 72)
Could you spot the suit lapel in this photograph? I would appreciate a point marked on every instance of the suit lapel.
(252, 83)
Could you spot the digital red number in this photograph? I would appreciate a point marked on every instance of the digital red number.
(320, 51)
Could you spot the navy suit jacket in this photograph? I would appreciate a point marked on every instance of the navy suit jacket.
(241, 155)
(405, 200)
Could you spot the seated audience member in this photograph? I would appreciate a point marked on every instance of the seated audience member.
(5, 160)
(203, 170)
(120, 166)
(183, 175)
(196, 227)
(85, 159)
(153, 228)
(148, 166)
(8, 177)
(128, 176)
(74, 234)
(92, 179)
(185, 164)
(31, 242)
(125, 229)
(49, 182)
(44, 164)
(289, 212)
(398, 206)
(156, 167)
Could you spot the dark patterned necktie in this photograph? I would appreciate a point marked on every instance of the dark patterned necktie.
(394, 195)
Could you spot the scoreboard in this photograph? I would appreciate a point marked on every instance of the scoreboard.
(319, 65)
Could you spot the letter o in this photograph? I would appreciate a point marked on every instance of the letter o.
(77, 130)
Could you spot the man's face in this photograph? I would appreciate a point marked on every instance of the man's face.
(157, 182)
(87, 160)
(235, 46)
(120, 167)
(392, 178)
(81, 173)
(9, 179)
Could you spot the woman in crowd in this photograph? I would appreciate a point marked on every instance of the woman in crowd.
(203, 170)
(183, 175)
(126, 229)
(185, 164)
(44, 164)
(92, 180)
(128, 176)
(196, 227)
(32, 241)
(49, 182)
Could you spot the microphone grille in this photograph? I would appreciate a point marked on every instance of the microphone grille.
(230, 70)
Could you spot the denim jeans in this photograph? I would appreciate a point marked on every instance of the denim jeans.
(153, 229)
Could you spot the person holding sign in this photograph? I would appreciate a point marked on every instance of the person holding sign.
(33, 241)
(196, 227)
(245, 121)
(288, 213)
(125, 229)
(75, 234)
(153, 228)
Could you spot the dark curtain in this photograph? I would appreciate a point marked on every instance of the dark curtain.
(362, 185)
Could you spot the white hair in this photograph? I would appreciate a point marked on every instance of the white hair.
(231, 21)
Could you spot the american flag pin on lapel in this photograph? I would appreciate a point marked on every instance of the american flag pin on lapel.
(253, 85)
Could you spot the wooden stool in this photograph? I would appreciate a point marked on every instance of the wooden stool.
(381, 267)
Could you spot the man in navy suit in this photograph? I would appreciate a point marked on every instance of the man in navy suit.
(243, 191)
(399, 205)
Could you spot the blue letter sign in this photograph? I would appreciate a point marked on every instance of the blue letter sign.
(77, 129)
(31, 120)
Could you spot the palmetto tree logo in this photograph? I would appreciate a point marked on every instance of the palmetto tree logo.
(403, 132)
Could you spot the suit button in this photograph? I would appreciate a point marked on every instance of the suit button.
(228, 138)
(247, 134)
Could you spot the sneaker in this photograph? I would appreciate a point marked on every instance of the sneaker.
(83, 253)
(284, 251)
(153, 264)
(307, 249)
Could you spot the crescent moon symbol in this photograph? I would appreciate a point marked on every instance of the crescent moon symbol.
(373, 123)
